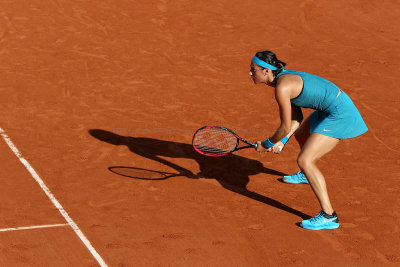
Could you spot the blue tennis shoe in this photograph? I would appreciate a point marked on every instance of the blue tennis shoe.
(297, 178)
(321, 221)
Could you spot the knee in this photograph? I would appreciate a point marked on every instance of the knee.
(304, 162)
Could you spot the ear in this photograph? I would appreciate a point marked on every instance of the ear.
(266, 71)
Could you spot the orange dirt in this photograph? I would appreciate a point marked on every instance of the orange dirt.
(88, 86)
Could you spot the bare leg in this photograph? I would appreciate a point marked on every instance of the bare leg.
(316, 146)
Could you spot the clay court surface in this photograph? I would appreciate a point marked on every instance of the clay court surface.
(95, 93)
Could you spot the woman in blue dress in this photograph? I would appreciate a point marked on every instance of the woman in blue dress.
(335, 118)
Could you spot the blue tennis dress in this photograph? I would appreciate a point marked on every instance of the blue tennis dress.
(334, 116)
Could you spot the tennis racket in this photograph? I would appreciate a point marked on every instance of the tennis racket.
(217, 141)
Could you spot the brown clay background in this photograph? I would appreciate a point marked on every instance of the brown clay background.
(88, 85)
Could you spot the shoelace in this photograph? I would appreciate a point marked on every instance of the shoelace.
(300, 176)
(318, 218)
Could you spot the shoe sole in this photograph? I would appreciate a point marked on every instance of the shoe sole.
(328, 227)
(287, 182)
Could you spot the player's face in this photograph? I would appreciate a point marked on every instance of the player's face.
(257, 73)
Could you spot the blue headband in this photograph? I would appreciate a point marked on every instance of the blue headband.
(263, 63)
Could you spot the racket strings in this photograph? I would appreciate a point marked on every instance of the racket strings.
(215, 141)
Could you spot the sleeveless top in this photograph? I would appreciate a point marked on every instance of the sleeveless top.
(335, 116)
(317, 93)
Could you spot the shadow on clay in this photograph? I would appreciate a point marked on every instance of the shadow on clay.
(231, 171)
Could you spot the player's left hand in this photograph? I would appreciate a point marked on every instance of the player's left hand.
(277, 148)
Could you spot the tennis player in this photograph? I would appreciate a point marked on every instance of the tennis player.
(335, 118)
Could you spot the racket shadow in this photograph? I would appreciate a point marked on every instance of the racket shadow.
(139, 173)
(232, 172)
(146, 174)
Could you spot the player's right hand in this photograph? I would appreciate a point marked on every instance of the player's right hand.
(261, 148)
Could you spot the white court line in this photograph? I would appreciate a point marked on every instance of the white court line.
(57, 204)
(32, 227)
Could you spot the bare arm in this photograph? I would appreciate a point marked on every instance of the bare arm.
(297, 118)
(290, 115)
(282, 94)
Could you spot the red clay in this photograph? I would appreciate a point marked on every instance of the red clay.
(89, 85)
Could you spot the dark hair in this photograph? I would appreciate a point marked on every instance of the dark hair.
(271, 59)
